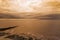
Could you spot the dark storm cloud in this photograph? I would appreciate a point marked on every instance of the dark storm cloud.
(49, 17)
(8, 16)
(41, 17)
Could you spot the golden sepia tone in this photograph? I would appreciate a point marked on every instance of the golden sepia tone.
(29, 19)
(22, 8)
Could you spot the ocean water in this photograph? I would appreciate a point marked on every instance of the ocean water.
(47, 28)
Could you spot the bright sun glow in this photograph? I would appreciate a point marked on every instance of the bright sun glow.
(25, 5)
(40, 6)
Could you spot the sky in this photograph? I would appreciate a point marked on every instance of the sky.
(36, 6)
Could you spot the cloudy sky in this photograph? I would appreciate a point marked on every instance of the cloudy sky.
(36, 6)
